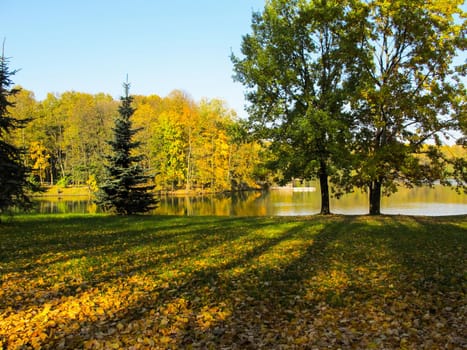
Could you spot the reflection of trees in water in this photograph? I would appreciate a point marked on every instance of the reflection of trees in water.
(421, 201)
(245, 204)
(71, 205)
(437, 193)
(232, 204)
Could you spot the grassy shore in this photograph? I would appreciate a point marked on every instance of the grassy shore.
(62, 191)
(153, 282)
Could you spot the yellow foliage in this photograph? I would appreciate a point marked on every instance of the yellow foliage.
(158, 283)
(92, 183)
(40, 157)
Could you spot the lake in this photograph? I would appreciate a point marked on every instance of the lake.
(437, 201)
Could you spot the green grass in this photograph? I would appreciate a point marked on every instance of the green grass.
(150, 282)
(62, 191)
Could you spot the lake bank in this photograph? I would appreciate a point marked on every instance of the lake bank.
(64, 191)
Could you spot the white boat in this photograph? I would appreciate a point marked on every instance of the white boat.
(295, 189)
(304, 189)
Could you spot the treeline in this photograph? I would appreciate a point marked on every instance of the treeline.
(186, 144)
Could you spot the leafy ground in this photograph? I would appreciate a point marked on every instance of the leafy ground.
(94, 282)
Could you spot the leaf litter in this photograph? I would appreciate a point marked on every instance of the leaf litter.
(197, 283)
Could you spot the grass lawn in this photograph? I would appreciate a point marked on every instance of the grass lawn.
(162, 282)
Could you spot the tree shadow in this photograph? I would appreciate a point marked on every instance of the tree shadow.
(240, 293)
(134, 251)
(347, 275)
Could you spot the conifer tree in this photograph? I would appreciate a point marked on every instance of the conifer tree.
(125, 189)
(13, 173)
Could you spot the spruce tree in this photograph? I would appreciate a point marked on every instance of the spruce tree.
(14, 174)
(125, 189)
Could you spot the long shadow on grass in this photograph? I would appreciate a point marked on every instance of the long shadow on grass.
(432, 254)
(261, 297)
(58, 245)
(262, 301)
(267, 294)
(404, 271)
(116, 255)
(239, 292)
(31, 239)
(431, 250)
(75, 237)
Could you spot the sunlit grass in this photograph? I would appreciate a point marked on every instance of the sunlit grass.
(71, 281)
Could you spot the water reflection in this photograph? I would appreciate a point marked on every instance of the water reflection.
(72, 204)
(418, 201)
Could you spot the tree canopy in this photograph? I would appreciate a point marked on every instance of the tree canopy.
(293, 69)
(13, 172)
(407, 95)
(310, 64)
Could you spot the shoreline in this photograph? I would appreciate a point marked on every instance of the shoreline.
(84, 191)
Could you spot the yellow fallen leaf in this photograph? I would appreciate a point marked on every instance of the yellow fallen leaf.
(165, 339)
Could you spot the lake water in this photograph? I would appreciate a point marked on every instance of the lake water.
(435, 201)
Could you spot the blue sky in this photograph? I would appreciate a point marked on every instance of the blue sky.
(163, 45)
(90, 45)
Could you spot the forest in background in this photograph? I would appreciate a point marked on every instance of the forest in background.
(187, 145)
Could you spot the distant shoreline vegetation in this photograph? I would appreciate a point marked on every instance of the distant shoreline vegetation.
(84, 191)
(188, 145)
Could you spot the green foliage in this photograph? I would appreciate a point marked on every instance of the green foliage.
(354, 90)
(63, 182)
(191, 147)
(292, 67)
(94, 282)
(125, 188)
(72, 127)
(14, 174)
(407, 93)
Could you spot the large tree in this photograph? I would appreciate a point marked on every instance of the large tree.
(13, 172)
(408, 96)
(126, 189)
(292, 67)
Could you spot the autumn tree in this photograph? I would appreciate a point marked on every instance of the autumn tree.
(191, 147)
(25, 108)
(292, 67)
(13, 172)
(407, 93)
(246, 158)
(146, 118)
(213, 145)
(183, 143)
(169, 152)
(85, 130)
(125, 189)
(74, 128)
(49, 128)
(40, 160)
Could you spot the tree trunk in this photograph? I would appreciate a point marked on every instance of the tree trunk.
(323, 182)
(189, 162)
(51, 175)
(375, 197)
